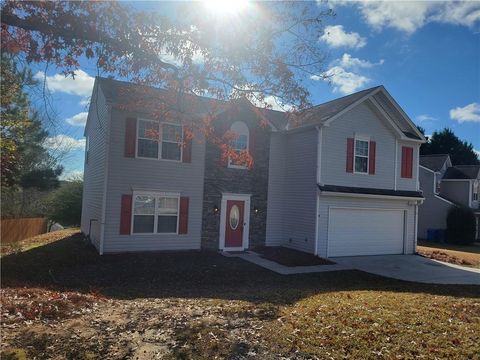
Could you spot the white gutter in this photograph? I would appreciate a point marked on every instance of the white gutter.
(392, 197)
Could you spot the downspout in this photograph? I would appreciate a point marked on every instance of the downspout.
(319, 181)
(105, 180)
(395, 170)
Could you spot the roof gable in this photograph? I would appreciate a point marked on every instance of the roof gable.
(434, 162)
(324, 114)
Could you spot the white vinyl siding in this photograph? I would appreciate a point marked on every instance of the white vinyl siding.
(292, 190)
(360, 120)
(136, 175)
(95, 168)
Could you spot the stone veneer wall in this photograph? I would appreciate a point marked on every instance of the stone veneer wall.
(221, 179)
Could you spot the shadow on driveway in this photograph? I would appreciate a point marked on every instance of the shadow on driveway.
(413, 268)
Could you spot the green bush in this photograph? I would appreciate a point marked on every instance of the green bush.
(460, 225)
(65, 205)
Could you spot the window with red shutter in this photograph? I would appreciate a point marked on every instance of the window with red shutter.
(183, 221)
(349, 166)
(407, 162)
(130, 137)
(371, 157)
(125, 214)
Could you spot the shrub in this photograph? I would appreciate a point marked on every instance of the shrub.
(460, 225)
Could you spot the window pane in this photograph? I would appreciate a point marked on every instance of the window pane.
(148, 129)
(144, 205)
(143, 223)
(361, 147)
(167, 224)
(171, 151)
(172, 132)
(240, 143)
(361, 164)
(167, 205)
(148, 148)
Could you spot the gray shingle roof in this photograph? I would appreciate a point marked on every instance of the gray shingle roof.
(321, 113)
(463, 172)
(119, 92)
(433, 162)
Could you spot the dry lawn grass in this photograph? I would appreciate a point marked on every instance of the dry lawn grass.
(62, 300)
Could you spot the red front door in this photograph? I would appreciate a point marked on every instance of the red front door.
(234, 223)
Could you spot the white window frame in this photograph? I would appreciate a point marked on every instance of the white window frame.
(233, 166)
(436, 176)
(364, 139)
(159, 140)
(476, 185)
(156, 195)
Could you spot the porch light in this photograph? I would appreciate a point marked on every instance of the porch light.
(215, 209)
(256, 210)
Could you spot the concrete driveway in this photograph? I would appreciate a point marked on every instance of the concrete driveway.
(412, 268)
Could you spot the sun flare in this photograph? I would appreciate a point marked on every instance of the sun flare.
(226, 6)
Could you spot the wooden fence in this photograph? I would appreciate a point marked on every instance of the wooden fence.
(13, 230)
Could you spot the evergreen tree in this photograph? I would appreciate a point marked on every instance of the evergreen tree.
(446, 142)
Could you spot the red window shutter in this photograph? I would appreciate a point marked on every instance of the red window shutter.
(126, 214)
(187, 146)
(371, 157)
(183, 221)
(350, 155)
(407, 162)
(130, 137)
(410, 163)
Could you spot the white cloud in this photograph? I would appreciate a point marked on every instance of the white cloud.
(465, 13)
(85, 101)
(409, 16)
(342, 80)
(79, 119)
(425, 117)
(82, 85)
(277, 104)
(349, 62)
(335, 36)
(72, 175)
(471, 112)
(64, 143)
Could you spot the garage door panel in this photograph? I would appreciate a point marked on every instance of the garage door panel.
(365, 232)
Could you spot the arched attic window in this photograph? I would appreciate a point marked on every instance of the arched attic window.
(241, 141)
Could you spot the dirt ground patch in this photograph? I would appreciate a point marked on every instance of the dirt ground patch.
(442, 253)
(290, 257)
(64, 301)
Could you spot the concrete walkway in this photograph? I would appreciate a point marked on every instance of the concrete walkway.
(256, 259)
(412, 268)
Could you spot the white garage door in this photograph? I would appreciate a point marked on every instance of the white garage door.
(353, 232)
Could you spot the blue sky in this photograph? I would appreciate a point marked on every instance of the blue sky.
(427, 55)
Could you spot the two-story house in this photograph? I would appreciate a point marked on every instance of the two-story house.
(445, 186)
(342, 181)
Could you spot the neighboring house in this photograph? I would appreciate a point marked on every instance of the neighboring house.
(444, 186)
(341, 181)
